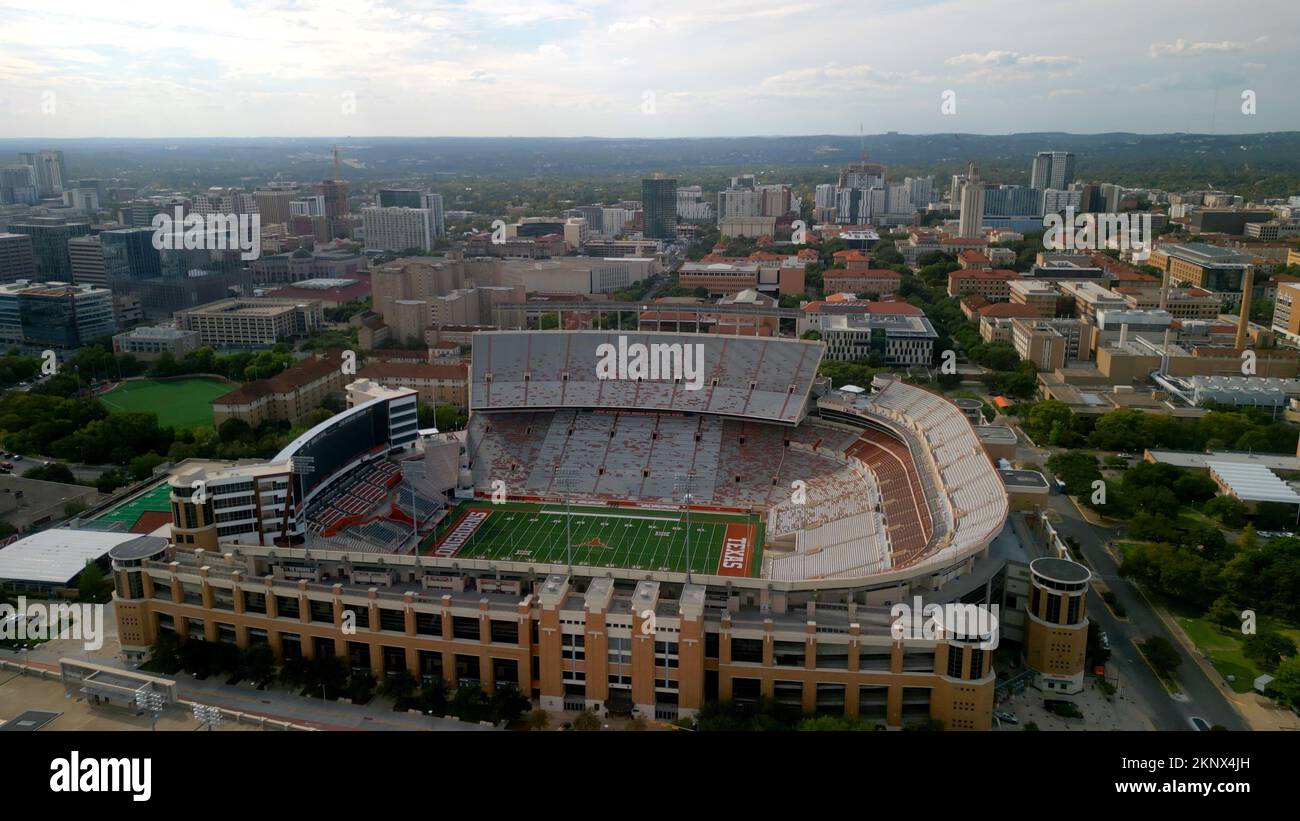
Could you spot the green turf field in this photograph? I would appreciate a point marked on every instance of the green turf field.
(179, 403)
(601, 536)
(156, 498)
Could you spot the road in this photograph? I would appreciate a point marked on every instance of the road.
(1200, 696)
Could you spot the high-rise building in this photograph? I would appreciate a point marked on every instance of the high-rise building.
(399, 198)
(273, 205)
(16, 260)
(659, 208)
(398, 229)
(50, 172)
(1052, 169)
(1013, 201)
(87, 258)
(18, 185)
(335, 193)
(971, 218)
(50, 237)
(129, 254)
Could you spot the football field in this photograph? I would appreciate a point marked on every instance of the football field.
(628, 537)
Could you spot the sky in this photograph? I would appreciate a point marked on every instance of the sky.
(669, 68)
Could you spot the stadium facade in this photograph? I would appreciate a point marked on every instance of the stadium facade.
(864, 501)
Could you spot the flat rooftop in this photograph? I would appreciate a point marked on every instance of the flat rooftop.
(1023, 479)
(1201, 461)
(1000, 434)
(57, 555)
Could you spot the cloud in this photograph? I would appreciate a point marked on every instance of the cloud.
(1182, 48)
(639, 24)
(1066, 92)
(833, 78)
(1004, 65)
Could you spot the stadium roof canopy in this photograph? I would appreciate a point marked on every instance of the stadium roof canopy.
(56, 556)
(1253, 483)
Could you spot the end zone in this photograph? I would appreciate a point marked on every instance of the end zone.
(456, 537)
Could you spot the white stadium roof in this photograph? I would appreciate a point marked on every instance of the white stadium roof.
(56, 556)
(1254, 483)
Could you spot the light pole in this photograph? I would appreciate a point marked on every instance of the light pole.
(303, 465)
(685, 485)
(565, 477)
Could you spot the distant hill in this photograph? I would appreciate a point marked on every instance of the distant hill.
(1253, 164)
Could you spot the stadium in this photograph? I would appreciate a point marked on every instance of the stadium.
(844, 486)
(642, 539)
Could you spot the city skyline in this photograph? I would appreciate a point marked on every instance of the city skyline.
(617, 70)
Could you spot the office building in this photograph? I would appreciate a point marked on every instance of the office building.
(16, 259)
(252, 323)
(50, 173)
(18, 185)
(54, 314)
(1052, 169)
(659, 208)
(149, 343)
(971, 218)
(50, 236)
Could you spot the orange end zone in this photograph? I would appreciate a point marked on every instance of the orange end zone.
(737, 550)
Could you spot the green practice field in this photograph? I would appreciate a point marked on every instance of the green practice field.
(603, 536)
(179, 403)
(157, 498)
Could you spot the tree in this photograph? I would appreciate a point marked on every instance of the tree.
(1224, 613)
(257, 662)
(92, 586)
(538, 719)
(398, 686)
(56, 472)
(1229, 510)
(1286, 681)
(1164, 659)
(1267, 649)
(433, 696)
(586, 722)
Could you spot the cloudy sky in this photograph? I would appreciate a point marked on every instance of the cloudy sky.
(657, 69)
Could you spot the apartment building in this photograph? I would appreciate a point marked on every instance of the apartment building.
(994, 285)
(436, 384)
(1042, 296)
(879, 281)
(288, 396)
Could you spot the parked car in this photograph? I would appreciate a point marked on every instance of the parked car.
(1104, 639)
(1006, 718)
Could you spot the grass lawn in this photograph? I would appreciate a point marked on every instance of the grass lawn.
(179, 403)
(603, 536)
(1223, 648)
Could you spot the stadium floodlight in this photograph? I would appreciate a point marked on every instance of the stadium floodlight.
(684, 485)
(566, 478)
(305, 466)
(207, 715)
(153, 701)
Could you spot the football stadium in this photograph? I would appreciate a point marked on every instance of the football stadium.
(632, 522)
